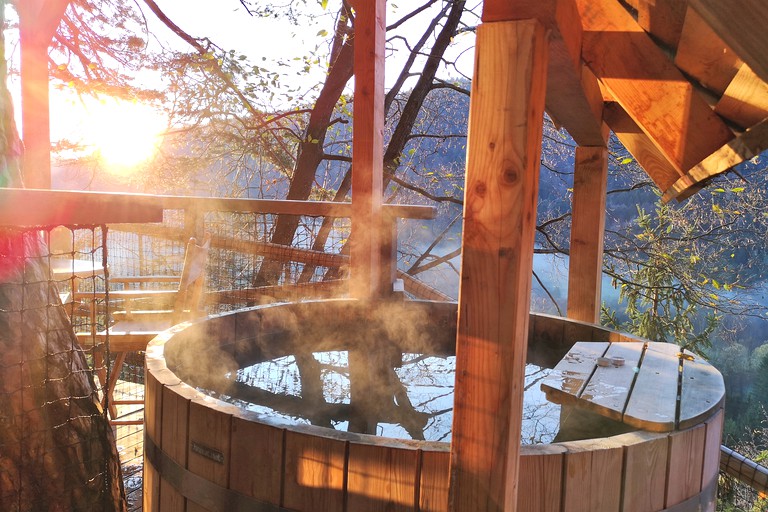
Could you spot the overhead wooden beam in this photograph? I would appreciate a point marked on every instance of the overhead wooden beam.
(745, 101)
(504, 148)
(746, 146)
(741, 24)
(662, 18)
(367, 266)
(38, 20)
(703, 55)
(648, 86)
(585, 267)
(571, 98)
(640, 146)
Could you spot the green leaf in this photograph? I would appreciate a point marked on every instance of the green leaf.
(737, 189)
(715, 284)
(324, 4)
(626, 161)
(322, 33)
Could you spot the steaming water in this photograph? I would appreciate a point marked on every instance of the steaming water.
(274, 389)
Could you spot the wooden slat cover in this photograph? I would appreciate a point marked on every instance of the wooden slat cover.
(381, 478)
(686, 459)
(704, 56)
(593, 476)
(648, 86)
(741, 24)
(702, 391)
(314, 473)
(567, 380)
(256, 464)
(608, 390)
(433, 488)
(653, 403)
(175, 417)
(209, 430)
(745, 101)
(645, 472)
(541, 479)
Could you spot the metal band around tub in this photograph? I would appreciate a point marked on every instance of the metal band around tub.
(196, 488)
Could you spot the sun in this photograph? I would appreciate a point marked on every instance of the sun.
(124, 134)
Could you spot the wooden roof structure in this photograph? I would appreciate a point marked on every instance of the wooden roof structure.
(682, 83)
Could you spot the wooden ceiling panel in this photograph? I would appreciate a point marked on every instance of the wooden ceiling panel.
(648, 86)
(703, 55)
(745, 101)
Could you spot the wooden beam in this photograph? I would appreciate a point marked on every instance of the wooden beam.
(745, 101)
(663, 19)
(504, 148)
(585, 268)
(43, 16)
(748, 145)
(570, 90)
(741, 24)
(704, 56)
(368, 150)
(648, 86)
(640, 146)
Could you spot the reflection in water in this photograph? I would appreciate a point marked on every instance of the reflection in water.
(411, 398)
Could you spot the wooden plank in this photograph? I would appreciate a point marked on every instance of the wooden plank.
(153, 408)
(663, 19)
(741, 24)
(382, 478)
(506, 116)
(592, 476)
(703, 55)
(645, 472)
(571, 375)
(42, 17)
(585, 268)
(174, 443)
(746, 146)
(702, 391)
(314, 473)
(607, 392)
(541, 479)
(711, 464)
(745, 101)
(640, 146)
(209, 447)
(257, 460)
(653, 404)
(648, 86)
(686, 459)
(571, 96)
(368, 150)
(433, 483)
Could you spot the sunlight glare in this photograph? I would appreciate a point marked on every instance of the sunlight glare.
(124, 134)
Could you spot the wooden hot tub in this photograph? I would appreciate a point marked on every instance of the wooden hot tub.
(202, 453)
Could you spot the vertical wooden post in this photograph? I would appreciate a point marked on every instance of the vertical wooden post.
(505, 127)
(38, 20)
(368, 149)
(585, 271)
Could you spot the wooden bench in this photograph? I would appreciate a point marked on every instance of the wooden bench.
(658, 388)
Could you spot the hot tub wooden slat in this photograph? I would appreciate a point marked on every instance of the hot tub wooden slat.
(571, 374)
(255, 442)
(434, 479)
(152, 407)
(702, 388)
(653, 404)
(209, 441)
(712, 448)
(686, 461)
(173, 442)
(608, 390)
(381, 479)
(645, 473)
(541, 477)
(314, 473)
(593, 477)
